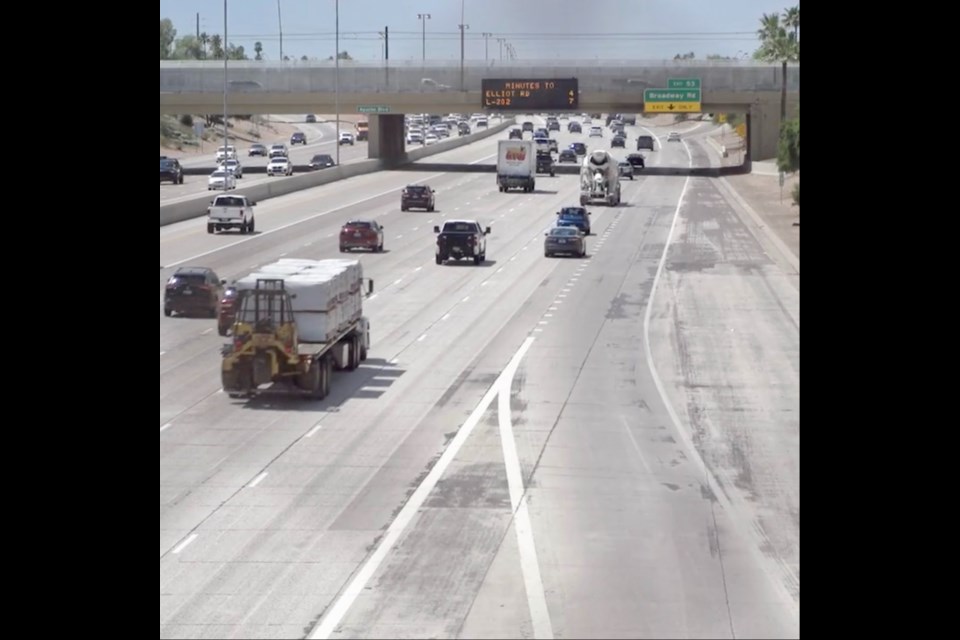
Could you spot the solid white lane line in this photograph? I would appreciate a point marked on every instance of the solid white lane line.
(183, 545)
(777, 572)
(328, 625)
(257, 480)
(529, 564)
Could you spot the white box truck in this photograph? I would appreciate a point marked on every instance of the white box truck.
(516, 165)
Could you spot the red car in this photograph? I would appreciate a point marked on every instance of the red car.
(228, 310)
(361, 234)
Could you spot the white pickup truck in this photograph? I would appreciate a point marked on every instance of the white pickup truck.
(230, 212)
(228, 152)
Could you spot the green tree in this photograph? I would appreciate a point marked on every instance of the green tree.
(216, 46)
(236, 53)
(187, 48)
(167, 36)
(343, 56)
(304, 58)
(788, 148)
(779, 45)
(685, 56)
(258, 50)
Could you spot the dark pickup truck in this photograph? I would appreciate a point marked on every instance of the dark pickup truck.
(545, 163)
(461, 239)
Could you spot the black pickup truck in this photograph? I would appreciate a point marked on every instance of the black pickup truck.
(461, 239)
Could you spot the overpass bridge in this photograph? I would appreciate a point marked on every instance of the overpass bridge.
(387, 90)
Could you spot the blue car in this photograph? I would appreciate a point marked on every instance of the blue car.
(577, 217)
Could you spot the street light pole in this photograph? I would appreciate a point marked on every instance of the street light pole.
(225, 85)
(423, 17)
(501, 41)
(486, 47)
(336, 77)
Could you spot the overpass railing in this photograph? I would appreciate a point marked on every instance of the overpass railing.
(629, 76)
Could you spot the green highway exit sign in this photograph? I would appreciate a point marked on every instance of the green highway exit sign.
(373, 108)
(671, 95)
(683, 83)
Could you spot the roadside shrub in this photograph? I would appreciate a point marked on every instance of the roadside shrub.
(186, 120)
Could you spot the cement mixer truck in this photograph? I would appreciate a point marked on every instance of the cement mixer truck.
(599, 179)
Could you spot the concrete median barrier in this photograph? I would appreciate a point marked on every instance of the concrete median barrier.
(197, 206)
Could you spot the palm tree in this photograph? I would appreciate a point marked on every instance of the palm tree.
(216, 46)
(791, 20)
(776, 45)
(258, 50)
(204, 41)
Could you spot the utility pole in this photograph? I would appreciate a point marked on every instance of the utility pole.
(423, 17)
(280, 23)
(198, 26)
(463, 28)
(225, 86)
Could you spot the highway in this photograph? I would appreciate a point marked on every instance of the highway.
(321, 138)
(553, 448)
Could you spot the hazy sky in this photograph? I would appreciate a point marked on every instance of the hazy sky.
(536, 29)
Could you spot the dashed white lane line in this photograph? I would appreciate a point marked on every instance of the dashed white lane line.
(512, 258)
(548, 315)
(538, 330)
(483, 284)
(418, 268)
(313, 431)
(422, 337)
(206, 331)
(542, 322)
(307, 244)
(565, 291)
(552, 309)
(430, 220)
(395, 361)
(162, 352)
(329, 235)
(335, 614)
(445, 317)
(562, 295)
(165, 427)
(183, 545)
(284, 254)
(373, 296)
(465, 299)
(399, 236)
(398, 281)
(500, 269)
(257, 480)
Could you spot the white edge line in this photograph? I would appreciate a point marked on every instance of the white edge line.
(313, 431)
(183, 545)
(529, 563)
(342, 605)
(749, 533)
(257, 480)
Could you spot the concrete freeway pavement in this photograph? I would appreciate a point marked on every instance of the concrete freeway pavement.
(571, 504)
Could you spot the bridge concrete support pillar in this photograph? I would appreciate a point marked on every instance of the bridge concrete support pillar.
(386, 140)
(764, 130)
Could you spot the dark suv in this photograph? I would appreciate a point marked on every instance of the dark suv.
(193, 290)
(171, 170)
(545, 163)
(515, 133)
(299, 137)
(645, 142)
(417, 196)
